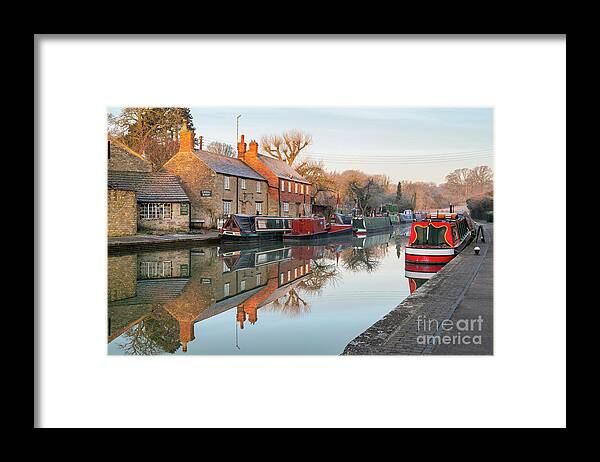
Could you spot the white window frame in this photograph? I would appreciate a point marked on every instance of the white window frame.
(155, 210)
(243, 183)
(226, 183)
(242, 285)
(258, 208)
(283, 185)
(226, 289)
(258, 186)
(289, 186)
(301, 189)
(286, 207)
(225, 212)
(296, 188)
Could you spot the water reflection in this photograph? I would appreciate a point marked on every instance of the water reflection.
(312, 297)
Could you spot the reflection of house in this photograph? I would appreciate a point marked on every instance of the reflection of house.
(217, 185)
(155, 200)
(246, 281)
(133, 297)
(289, 192)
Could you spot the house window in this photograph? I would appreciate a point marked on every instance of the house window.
(286, 207)
(259, 208)
(226, 207)
(281, 278)
(154, 211)
(155, 269)
(184, 270)
(301, 189)
(184, 209)
(242, 285)
(226, 182)
(289, 186)
(258, 186)
(283, 185)
(296, 188)
(243, 183)
(258, 279)
(226, 289)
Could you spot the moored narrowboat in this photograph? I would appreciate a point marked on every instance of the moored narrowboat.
(305, 228)
(434, 241)
(254, 228)
(364, 225)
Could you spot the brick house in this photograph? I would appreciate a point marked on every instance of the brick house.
(157, 199)
(289, 192)
(216, 185)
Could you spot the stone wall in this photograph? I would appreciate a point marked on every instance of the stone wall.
(178, 223)
(122, 212)
(122, 277)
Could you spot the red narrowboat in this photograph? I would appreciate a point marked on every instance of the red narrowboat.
(315, 228)
(434, 241)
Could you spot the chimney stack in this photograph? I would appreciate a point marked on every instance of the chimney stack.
(241, 148)
(253, 151)
(186, 139)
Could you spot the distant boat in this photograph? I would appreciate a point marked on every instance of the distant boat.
(407, 216)
(434, 241)
(365, 225)
(254, 228)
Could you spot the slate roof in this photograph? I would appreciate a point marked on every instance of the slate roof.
(228, 165)
(282, 169)
(149, 187)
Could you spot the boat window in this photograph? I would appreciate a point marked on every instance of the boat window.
(437, 236)
(430, 236)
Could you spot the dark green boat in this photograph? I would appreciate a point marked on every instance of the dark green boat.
(363, 225)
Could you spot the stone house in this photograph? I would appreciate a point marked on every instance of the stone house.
(289, 192)
(122, 159)
(146, 201)
(140, 199)
(216, 185)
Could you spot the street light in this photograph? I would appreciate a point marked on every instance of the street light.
(237, 128)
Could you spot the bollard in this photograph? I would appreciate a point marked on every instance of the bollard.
(476, 249)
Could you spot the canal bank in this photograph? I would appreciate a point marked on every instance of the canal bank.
(141, 241)
(451, 314)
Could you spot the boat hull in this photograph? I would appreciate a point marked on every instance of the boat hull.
(251, 238)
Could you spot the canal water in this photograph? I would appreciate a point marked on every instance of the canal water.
(279, 299)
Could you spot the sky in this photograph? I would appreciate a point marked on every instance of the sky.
(419, 144)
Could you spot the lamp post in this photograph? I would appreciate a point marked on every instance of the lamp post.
(237, 128)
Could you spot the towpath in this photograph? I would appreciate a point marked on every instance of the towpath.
(451, 314)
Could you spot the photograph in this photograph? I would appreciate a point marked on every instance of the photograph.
(300, 231)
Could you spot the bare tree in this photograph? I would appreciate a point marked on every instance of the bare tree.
(286, 147)
(366, 195)
(223, 149)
